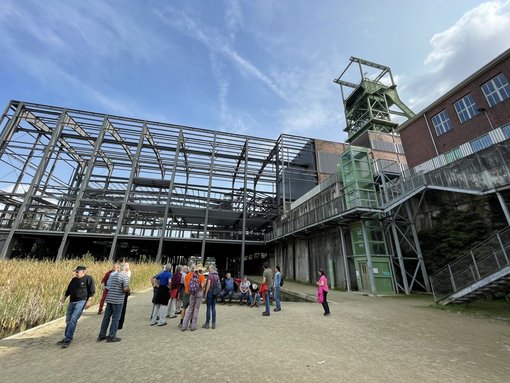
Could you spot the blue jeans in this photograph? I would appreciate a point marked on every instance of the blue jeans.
(246, 296)
(74, 311)
(114, 311)
(267, 299)
(276, 296)
(211, 308)
(226, 292)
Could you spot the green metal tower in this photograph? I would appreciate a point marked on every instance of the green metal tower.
(370, 104)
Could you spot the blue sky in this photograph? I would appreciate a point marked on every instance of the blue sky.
(252, 67)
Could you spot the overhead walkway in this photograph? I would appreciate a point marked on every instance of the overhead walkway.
(482, 270)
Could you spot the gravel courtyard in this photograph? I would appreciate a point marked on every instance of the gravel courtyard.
(366, 339)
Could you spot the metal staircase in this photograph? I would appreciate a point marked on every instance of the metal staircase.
(484, 269)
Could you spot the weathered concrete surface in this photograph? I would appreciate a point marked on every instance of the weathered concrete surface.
(366, 339)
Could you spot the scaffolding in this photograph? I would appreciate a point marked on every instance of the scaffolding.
(74, 174)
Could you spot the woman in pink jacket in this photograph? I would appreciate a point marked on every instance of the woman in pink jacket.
(322, 293)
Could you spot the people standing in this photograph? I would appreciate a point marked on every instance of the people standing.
(185, 294)
(119, 286)
(212, 278)
(80, 291)
(174, 292)
(322, 292)
(104, 285)
(195, 297)
(161, 303)
(267, 280)
(276, 288)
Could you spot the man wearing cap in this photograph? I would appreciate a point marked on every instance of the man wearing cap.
(80, 291)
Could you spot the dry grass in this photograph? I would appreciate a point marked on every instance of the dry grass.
(30, 290)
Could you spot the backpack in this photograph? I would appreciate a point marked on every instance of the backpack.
(281, 280)
(216, 287)
(194, 284)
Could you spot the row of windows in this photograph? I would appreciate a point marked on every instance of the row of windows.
(496, 90)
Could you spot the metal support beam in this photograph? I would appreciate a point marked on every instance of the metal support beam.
(206, 219)
(502, 202)
(399, 255)
(134, 170)
(48, 151)
(84, 183)
(417, 246)
(344, 258)
(369, 257)
(243, 238)
(169, 197)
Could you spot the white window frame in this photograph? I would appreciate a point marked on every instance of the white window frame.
(496, 90)
(442, 123)
(466, 108)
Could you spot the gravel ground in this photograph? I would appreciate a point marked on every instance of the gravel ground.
(366, 339)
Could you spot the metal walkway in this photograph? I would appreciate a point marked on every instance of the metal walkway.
(484, 269)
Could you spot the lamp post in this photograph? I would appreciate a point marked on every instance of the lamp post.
(486, 115)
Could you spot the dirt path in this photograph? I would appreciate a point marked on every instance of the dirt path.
(366, 339)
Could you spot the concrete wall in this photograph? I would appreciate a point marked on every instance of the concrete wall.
(301, 258)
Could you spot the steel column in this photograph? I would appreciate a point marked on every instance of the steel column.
(399, 255)
(84, 183)
(346, 261)
(417, 246)
(206, 219)
(134, 170)
(504, 207)
(169, 197)
(243, 236)
(369, 257)
(35, 181)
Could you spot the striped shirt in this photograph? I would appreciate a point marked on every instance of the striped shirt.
(116, 285)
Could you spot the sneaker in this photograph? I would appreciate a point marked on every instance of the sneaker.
(66, 344)
(172, 316)
(206, 325)
(99, 312)
(154, 323)
(61, 342)
(213, 326)
(275, 309)
(100, 338)
(326, 314)
(193, 329)
(180, 325)
(113, 339)
(162, 324)
(264, 314)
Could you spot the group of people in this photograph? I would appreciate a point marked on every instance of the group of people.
(80, 291)
(180, 293)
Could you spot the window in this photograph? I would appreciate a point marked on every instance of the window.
(466, 108)
(496, 90)
(453, 155)
(442, 122)
(481, 142)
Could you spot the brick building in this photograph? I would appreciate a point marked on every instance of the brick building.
(473, 115)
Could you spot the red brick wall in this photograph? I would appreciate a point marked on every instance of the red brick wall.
(416, 139)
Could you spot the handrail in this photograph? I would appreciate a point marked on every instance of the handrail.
(480, 262)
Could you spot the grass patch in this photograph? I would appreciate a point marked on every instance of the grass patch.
(497, 309)
(30, 290)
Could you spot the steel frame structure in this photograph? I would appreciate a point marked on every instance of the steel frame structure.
(71, 173)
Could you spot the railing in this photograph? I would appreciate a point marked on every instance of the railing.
(479, 171)
(480, 262)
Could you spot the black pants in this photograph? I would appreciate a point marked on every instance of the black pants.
(325, 302)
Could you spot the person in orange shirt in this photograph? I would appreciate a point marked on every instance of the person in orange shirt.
(195, 298)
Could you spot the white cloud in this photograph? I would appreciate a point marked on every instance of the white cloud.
(475, 39)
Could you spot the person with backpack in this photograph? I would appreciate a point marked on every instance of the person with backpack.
(276, 288)
(212, 290)
(195, 281)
